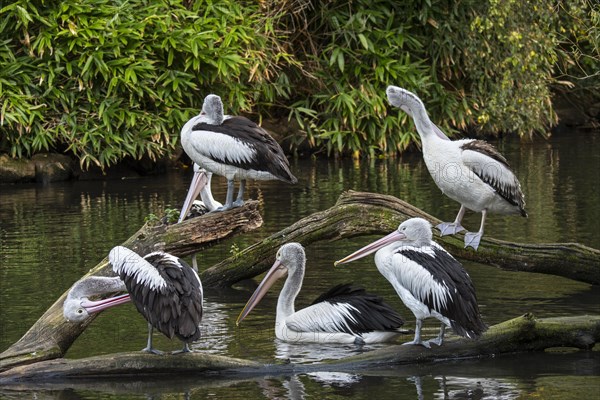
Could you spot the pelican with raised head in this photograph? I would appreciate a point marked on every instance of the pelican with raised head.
(164, 289)
(469, 171)
(344, 314)
(429, 281)
(234, 147)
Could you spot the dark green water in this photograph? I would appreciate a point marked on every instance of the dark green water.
(51, 235)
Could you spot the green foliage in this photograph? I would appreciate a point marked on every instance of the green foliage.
(110, 79)
(107, 79)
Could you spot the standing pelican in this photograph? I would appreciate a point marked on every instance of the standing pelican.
(164, 289)
(430, 282)
(471, 172)
(342, 315)
(234, 147)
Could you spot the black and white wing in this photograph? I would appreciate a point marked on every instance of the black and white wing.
(492, 168)
(346, 309)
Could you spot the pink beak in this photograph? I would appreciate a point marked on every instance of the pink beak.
(99, 305)
(199, 180)
(373, 247)
(277, 271)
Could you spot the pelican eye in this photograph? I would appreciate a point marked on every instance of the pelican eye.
(80, 311)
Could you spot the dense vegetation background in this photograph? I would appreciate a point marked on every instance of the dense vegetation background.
(108, 79)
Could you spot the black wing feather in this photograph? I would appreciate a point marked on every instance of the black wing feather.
(270, 155)
(175, 310)
(461, 307)
(372, 313)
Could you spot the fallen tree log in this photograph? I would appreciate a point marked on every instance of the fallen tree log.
(522, 334)
(360, 213)
(354, 214)
(51, 335)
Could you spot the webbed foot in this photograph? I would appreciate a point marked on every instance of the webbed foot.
(472, 239)
(150, 350)
(449, 228)
(424, 344)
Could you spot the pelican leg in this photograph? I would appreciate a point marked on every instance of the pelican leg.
(417, 339)
(452, 228)
(239, 201)
(149, 348)
(228, 198)
(440, 339)
(472, 239)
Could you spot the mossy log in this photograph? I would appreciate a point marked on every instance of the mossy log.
(360, 213)
(51, 335)
(522, 334)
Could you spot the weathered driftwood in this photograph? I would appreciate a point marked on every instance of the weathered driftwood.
(51, 335)
(522, 334)
(360, 213)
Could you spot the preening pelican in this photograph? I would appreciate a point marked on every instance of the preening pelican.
(200, 185)
(234, 147)
(430, 282)
(164, 289)
(344, 314)
(471, 172)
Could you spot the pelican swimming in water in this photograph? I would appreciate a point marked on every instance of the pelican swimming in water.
(429, 281)
(164, 289)
(342, 315)
(234, 147)
(469, 171)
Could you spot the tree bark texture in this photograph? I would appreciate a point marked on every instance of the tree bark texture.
(522, 334)
(51, 335)
(361, 213)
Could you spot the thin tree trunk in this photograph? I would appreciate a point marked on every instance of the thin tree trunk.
(522, 334)
(360, 213)
(51, 335)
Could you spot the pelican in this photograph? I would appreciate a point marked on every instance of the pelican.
(200, 185)
(471, 172)
(429, 281)
(344, 314)
(164, 289)
(234, 147)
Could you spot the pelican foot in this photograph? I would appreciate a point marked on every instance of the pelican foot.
(472, 239)
(359, 341)
(221, 209)
(449, 228)
(424, 344)
(238, 203)
(186, 349)
(150, 350)
(436, 341)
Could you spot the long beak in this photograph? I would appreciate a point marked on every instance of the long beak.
(198, 182)
(373, 247)
(99, 305)
(277, 271)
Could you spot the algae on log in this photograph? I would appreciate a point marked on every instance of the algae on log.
(522, 334)
(51, 335)
(361, 213)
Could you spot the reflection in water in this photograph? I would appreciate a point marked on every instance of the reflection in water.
(317, 352)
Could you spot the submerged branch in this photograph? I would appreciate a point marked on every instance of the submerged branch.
(522, 334)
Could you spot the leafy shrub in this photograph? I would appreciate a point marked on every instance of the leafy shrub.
(107, 79)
